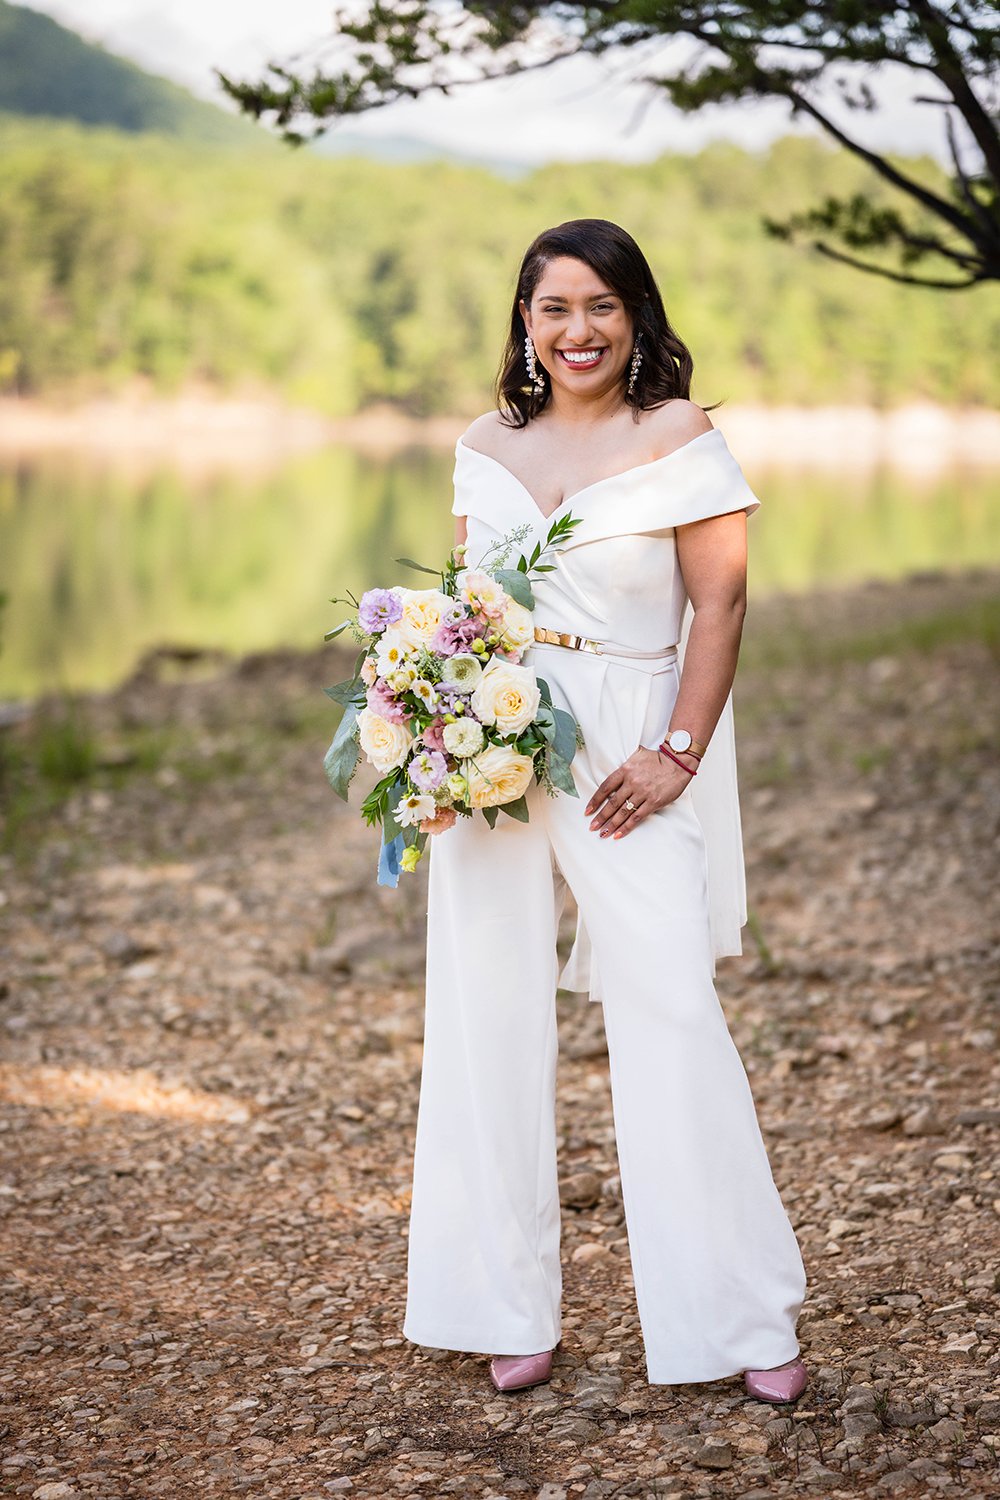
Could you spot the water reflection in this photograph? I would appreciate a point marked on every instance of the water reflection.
(98, 565)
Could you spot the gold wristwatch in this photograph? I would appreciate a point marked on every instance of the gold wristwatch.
(680, 740)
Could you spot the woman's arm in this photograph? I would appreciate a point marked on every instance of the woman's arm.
(461, 529)
(712, 555)
(713, 561)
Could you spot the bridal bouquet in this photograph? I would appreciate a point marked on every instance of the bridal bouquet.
(442, 707)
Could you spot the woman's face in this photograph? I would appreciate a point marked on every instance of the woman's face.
(580, 329)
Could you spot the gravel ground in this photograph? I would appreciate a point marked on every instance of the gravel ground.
(211, 1024)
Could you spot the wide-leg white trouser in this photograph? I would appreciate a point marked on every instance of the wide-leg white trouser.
(718, 1275)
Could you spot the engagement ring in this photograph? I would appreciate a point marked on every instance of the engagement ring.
(630, 805)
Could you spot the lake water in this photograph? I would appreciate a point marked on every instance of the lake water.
(99, 566)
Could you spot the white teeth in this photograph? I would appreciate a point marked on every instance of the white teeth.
(581, 359)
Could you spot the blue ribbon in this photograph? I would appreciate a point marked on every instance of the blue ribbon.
(388, 860)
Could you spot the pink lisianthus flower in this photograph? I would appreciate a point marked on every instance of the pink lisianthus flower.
(433, 735)
(442, 820)
(381, 702)
(450, 639)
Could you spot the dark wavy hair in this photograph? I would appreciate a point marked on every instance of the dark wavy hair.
(610, 251)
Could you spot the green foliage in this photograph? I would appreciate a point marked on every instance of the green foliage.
(47, 70)
(345, 282)
(743, 50)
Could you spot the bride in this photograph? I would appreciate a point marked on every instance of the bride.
(637, 633)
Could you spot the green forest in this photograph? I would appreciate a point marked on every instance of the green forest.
(46, 69)
(343, 281)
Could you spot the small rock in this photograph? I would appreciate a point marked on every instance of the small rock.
(923, 1121)
(882, 1194)
(883, 1117)
(952, 1161)
(861, 1424)
(961, 1343)
(978, 1117)
(714, 1455)
(57, 1490)
(591, 1253)
(580, 1190)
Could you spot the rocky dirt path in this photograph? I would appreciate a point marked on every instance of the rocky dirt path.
(211, 1029)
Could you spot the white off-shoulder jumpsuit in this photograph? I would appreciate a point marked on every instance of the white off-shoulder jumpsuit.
(718, 1275)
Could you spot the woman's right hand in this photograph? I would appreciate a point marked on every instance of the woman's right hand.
(647, 779)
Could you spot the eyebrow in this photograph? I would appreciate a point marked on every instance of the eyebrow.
(558, 297)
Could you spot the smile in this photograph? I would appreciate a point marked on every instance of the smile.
(582, 359)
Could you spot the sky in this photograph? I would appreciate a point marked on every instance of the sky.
(579, 109)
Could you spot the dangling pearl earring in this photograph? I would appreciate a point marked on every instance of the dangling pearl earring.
(534, 373)
(634, 370)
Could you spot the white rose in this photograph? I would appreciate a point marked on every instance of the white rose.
(464, 737)
(422, 611)
(518, 627)
(386, 745)
(497, 776)
(508, 696)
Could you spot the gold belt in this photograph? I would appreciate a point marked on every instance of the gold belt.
(598, 648)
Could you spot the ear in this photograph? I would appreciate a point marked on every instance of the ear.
(525, 314)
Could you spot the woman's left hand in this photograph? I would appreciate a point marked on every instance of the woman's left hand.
(647, 779)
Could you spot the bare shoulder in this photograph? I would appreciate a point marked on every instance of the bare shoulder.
(486, 433)
(670, 426)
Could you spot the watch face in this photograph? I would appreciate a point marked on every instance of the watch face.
(680, 739)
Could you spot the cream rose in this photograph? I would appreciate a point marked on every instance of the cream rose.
(507, 695)
(497, 776)
(518, 627)
(422, 611)
(386, 745)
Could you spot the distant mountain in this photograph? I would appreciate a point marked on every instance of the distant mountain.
(403, 150)
(45, 69)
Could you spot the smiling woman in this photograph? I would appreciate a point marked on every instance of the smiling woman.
(593, 413)
(595, 308)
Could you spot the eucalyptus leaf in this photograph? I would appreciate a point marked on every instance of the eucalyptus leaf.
(564, 743)
(392, 801)
(330, 634)
(560, 774)
(517, 586)
(408, 562)
(517, 809)
(490, 814)
(545, 722)
(351, 691)
(342, 756)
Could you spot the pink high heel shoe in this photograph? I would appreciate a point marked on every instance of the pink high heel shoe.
(784, 1384)
(512, 1372)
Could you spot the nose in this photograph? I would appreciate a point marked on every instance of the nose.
(579, 327)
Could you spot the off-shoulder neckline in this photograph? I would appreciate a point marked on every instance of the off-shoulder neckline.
(622, 474)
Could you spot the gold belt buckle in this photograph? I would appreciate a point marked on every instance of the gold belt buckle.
(565, 638)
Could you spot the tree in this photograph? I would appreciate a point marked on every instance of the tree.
(401, 49)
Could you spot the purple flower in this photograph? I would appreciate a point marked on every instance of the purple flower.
(427, 770)
(379, 608)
